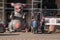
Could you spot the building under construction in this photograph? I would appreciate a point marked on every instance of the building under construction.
(34, 7)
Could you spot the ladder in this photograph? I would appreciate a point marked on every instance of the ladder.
(35, 9)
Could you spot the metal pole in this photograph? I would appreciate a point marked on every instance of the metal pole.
(3, 12)
(32, 14)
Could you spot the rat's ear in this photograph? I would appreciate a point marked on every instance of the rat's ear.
(12, 4)
(24, 5)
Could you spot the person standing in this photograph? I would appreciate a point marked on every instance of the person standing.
(34, 26)
(41, 22)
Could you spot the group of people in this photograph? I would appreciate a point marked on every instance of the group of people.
(35, 25)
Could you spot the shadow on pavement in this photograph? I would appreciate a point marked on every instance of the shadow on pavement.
(9, 34)
(46, 32)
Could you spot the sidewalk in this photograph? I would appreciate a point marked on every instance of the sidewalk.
(29, 36)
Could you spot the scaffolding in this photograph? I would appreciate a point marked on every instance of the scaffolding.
(35, 9)
(32, 9)
(2, 10)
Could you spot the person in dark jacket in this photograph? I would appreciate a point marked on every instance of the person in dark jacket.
(41, 21)
(42, 24)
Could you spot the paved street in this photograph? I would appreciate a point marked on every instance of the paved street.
(29, 36)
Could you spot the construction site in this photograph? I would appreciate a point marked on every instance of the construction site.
(34, 8)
